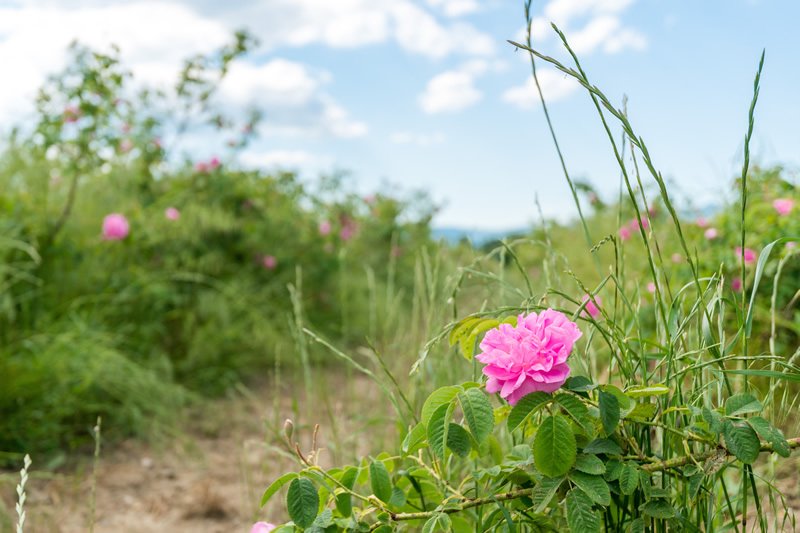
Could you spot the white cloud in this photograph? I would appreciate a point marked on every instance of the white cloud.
(455, 8)
(454, 90)
(418, 139)
(555, 86)
(589, 25)
(277, 158)
(354, 23)
(606, 33)
(292, 97)
(450, 91)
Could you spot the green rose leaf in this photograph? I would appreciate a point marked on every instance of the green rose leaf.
(628, 478)
(458, 440)
(437, 429)
(589, 464)
(740, 404)
(527, 405)
(380, 481)
(554, 447)
(302, 502)
(771, 434)
(478, 413)
(594, 486)
(609, 411)
(742, 441)
(657, 509)
(580, 515)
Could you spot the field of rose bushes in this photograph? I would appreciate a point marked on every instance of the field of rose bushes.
(634, 369)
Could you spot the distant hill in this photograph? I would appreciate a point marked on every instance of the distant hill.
(477, 237)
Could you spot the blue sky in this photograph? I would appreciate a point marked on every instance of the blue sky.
(427, 93)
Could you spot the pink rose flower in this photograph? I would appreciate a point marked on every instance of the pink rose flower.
(324, 228)
(172, 213)
(269, 262)
(529, 357)
(736, 284)
(262, 527)
(783, 206)
(115, 227)
(749, 255)
(624, 233)
(591, 309)
(711, 234)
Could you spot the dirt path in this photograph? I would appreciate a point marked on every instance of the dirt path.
(210, 480)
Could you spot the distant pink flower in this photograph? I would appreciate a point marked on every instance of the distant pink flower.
(783, 206)
(701, 222)
(791, 245)
(71, 113)
(172, 213)
(651, 287)
(736, 284)
(749, 255)
(157, 142)
(349, 228)
(115, 227)
(591, 309)
(593, 199)
(125, 146)
(677, 258)
(126, 128)
(201, 166)
(642, 221)
(529, 357)
(262, 527)
(269, 262)
(214, 163)
(624, 233)
(370, 198)
(324, 228)
(711, 234)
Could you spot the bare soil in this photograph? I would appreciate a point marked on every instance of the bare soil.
(212, 477)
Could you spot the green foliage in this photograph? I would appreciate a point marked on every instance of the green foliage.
(137, 329)
(676, 395)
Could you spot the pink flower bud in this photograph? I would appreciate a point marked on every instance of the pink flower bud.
(711, 234)
(172, 213)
